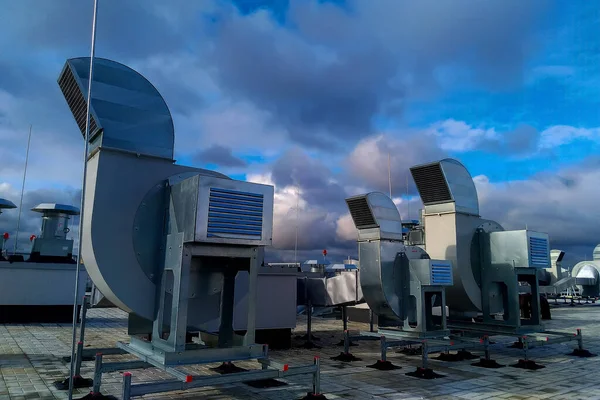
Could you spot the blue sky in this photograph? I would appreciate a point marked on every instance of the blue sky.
(314, 94)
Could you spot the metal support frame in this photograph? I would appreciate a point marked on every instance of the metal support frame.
(186, 380)
(463, 343)
(170, 354)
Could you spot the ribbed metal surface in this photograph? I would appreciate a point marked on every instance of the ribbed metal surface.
(235, 214)
(538, 252)
(361, 213)
(76, 101)
(441, 274)
(431, 183)
(596, 254)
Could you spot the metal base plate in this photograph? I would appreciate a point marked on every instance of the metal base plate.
(147, 352)
(397, 333)
(495, 329)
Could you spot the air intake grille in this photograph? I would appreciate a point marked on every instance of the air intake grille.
(361, 213)
(538, 252)
(431, 184)
(235, 215)
(76, 101)
(441, 274)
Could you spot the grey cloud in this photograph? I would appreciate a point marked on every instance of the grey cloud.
(343, 68)
(323, 81)
(523, 140)
(127, 28)
(547, 204)
(295, 167)
(219, 155)
(368, 163)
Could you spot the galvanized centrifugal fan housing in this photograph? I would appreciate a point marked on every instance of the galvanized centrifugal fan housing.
(486, 260)
(401, 284)
(136, 196)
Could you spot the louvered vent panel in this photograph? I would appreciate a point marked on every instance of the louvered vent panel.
(234, 214)
(441, 274)
(361, 213)
(431, 184)
(538, 252)
(76, 101)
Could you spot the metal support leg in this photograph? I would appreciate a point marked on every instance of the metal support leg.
(424, 372)
(309, 336)
(526, 363)
(309, 323)
(78, 381)
(345, 323)
(126, 392)
(383, 364)
(371, 319)
(227, 296)
(317, 377)
(486, 361)
(346, 356)
(97, 374)
(580, 351)
(78, 358)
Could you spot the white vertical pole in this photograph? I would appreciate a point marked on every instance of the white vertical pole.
(407, 201)
(297, 221)
(390, 174)
(81, 209)
(22, 192)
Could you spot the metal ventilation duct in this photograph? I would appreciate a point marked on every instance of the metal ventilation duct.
(127, 111)
(444, 183)
(375, 216)
(596, 255)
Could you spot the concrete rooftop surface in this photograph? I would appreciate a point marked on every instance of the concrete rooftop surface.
(31, 359)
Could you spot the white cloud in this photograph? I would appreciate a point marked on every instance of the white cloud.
(459, 136)
(558, 135)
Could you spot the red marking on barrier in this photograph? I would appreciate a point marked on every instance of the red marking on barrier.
(285, 367)
(32, 237)
(188, 379)
(451, 343)
(126, 373)
(98, 354)
(80, 342)
(547, 338)
(5, 236)
(480, 340)
(317, 357)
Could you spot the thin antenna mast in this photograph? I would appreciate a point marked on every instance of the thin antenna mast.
(297, 214)
(407, 201)
(81, 209)
(390, 175)
(22, 192)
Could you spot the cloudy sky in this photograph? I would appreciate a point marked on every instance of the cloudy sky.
(311, 96)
